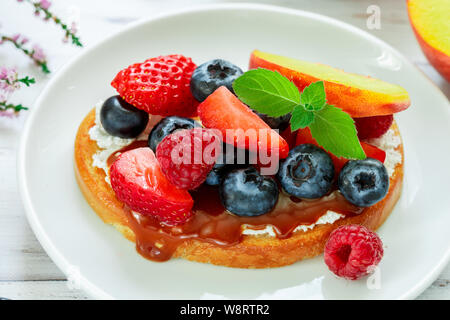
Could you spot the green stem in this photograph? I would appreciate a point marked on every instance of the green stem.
(57, 21)
(16, 107)
(26, 81)
(29, 53)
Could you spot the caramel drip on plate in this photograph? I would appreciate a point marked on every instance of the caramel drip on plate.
(212, 223)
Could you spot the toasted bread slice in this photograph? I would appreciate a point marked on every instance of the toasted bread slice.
(254, 251)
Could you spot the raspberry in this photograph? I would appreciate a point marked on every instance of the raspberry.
(159, 86)
(187, 156)
(137, 180)
(373, 127)
(353, 251)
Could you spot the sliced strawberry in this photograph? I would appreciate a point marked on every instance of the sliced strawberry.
(370, 150)
(373, 152)
(138, 181)
(304, 136)
(223, 111)
(289, 136)
(373, 127)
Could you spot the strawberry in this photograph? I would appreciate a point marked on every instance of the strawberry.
(223, 111)
(138, 181)
(159, 86)
(373, 127)
(370, 150)
(304, 136)
(289, 136)
(189, 170)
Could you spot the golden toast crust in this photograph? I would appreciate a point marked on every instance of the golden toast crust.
(252, 251)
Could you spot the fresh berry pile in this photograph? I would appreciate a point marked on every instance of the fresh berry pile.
(185, 152)
(353, 251)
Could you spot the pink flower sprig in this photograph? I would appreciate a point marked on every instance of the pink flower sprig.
(35, 52)
(10, 82)
(6, 107)
(42, 7)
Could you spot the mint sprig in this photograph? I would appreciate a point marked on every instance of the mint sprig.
(270, 93)
(267, 92)
(335, 131)
(313, 97)
(301, 118)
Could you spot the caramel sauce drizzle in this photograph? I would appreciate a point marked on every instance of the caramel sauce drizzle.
(213, 224)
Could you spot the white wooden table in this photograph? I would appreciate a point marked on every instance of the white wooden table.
(26, 272)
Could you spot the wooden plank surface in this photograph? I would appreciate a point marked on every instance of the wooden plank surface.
(26, 272)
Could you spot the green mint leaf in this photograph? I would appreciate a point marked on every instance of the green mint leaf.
(301, 118)
(267, 92)
(313, 96)
(335, 131)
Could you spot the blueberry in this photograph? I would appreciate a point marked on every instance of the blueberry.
(231, 158)
(279, 123)
(215, 175)
(121, 119)
(167, 126)
(245, 192)
(364, 182)
(210, 75)
(307, 172)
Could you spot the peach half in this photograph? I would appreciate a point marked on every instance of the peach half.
(359, 96)
(430, 20)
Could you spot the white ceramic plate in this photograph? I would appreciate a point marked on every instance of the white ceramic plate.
(106, 265)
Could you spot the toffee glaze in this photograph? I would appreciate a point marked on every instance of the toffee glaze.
(213, 224)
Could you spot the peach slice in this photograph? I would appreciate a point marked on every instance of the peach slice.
(359, 96)
(430, 20)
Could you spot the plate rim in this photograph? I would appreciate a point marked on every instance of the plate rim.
(32, 216)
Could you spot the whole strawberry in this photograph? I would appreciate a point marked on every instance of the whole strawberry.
(187, 156)
(138, 181)
(159, 86)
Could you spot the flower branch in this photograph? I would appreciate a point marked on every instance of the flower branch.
(35, 53)
(4, 106)
(10, 82)
(42, 7)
